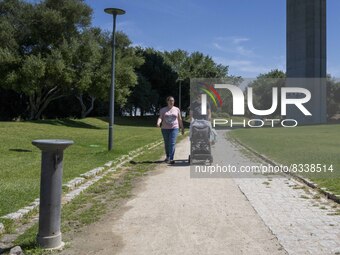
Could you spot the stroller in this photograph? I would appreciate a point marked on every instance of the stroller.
(200, 148)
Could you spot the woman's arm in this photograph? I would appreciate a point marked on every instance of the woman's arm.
(180, 122)
(159, 121)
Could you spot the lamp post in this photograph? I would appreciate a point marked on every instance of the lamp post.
(180, 94)
(114, 12)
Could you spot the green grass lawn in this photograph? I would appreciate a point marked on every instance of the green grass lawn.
(20, 160)
(318, 144)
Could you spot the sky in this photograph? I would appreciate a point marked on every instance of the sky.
(247, 35)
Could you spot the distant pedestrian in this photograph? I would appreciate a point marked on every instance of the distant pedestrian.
(170, 120)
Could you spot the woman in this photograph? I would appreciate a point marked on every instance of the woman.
(171, 120)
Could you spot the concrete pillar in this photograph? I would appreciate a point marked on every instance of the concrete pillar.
(49, 236)
(306, 56)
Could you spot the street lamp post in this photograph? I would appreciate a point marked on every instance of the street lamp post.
(114, 12)
(180, 94)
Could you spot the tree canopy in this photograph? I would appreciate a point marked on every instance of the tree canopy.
(49, 50)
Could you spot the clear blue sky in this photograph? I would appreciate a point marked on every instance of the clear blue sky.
(247, 35)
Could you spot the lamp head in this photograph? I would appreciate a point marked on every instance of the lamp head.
(114, 11)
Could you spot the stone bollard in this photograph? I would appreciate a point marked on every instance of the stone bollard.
(49, 235)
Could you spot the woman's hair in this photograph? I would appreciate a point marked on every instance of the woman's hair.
(169, 97)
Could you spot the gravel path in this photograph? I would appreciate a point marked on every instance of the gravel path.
(172, 213)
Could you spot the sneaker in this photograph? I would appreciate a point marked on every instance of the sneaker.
(172, 162)
(166, 160)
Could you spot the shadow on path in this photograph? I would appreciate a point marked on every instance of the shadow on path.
(180, 163)
(146, 162)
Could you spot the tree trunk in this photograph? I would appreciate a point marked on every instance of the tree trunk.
(91, 106)
(38, 102)
(84, 110)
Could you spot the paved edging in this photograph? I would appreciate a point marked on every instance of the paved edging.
(330, 195)
(79, 184)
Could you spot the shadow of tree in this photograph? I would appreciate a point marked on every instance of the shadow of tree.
(67, 123)
(137, 121)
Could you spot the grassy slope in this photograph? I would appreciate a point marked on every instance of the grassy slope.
(20, 161)
(304, 144)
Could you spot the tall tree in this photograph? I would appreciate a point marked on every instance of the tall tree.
(194, 65)
(159, 74)
(333, 97)
(31, 57)
(128, 61)
(95, 69)
(89, 73)
(143, 97)
(178, 60)
(263, 90)
(203, 66)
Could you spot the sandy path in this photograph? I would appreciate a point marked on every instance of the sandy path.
(171, 213)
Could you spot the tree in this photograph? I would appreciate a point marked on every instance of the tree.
(198, 65)
(89, 68)
(178, 59)
(143, 97)
(263, 90)
(201, 66)
(31, 51)
(333, 96)
(159, 74)
(93, 69)
(128, 62)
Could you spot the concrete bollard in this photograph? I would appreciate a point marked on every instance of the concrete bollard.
(49, 235)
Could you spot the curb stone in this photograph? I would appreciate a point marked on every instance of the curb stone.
(2, 228)
(16, 251)
(330, 195)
